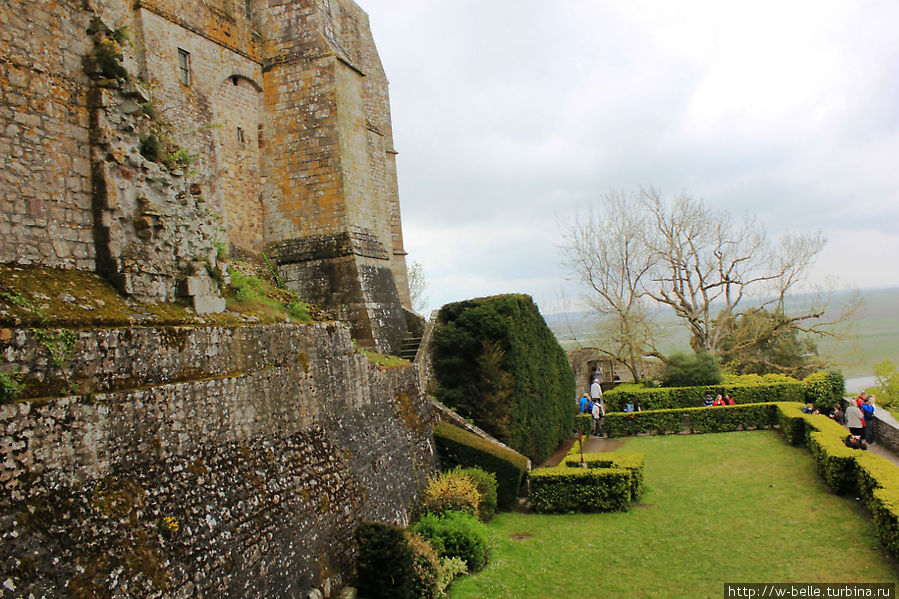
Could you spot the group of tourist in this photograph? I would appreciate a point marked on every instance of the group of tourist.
(726, 400)
(859, 417)
(592, 404)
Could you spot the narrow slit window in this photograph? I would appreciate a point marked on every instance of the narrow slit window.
(184, 66)
(240, 137)
(248, 9)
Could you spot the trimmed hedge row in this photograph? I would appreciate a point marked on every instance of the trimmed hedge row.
(608, 483)
(685, 420)
(458, 447)
(874, 479)
(632, 462)
(564, 489)
(668, 398)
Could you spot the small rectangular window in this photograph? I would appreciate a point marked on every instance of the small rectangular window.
(248, 8)
(240, 135)
(184, 66)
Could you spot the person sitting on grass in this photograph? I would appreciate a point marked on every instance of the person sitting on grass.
(855, 442)
(809, 408)
(629, 406)
(719, 401)
(708, 401)
(729, 400)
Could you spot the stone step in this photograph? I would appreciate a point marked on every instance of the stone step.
(409, 348)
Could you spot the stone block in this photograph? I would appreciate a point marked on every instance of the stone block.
(208, 304)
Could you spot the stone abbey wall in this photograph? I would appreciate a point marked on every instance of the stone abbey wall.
(239, 468)
(45, 187)
(279, 108)
(136, 136)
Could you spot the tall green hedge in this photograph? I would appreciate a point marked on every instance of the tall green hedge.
(458, 447)
(498, 363)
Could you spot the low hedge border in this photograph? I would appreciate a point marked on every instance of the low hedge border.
(668, 398)
(874, 479)
(564, 489)
(632, 462)
(609, 483)
(685, 420)
(458, 447)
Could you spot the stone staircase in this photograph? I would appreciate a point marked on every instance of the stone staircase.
(409, 348)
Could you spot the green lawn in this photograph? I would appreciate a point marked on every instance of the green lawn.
(731, 507)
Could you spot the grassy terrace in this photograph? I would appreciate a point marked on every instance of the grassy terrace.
(729, 507)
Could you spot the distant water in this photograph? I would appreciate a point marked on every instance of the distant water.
(857, 384)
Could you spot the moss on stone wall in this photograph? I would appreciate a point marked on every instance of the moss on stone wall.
(39, 297)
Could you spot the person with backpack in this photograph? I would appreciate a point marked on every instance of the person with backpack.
(599, 412)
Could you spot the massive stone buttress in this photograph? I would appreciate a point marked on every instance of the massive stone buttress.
(332, 208)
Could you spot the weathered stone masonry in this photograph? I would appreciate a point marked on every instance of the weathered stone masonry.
(202, 461)
(284, 104)
(243, 479)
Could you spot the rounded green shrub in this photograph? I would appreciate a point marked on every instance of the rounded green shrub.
(690, 370)
(385, 563)
(425, 581)
(456, 534)
(486, 485)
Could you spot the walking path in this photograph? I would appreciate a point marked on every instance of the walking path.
(886, 417)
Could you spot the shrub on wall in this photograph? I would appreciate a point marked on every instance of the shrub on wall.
(497, 362)
(458, 447)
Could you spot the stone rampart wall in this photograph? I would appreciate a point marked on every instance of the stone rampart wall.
(245, 481)
(45, 188)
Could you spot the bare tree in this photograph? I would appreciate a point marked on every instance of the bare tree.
(638, 253)
(707, 265)
(605, 250)
(417, 286)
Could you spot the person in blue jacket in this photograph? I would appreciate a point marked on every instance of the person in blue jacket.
(868, 413)
(583, 403)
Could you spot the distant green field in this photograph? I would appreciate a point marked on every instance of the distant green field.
(872, 336)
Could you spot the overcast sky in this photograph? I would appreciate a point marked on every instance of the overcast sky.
(510, 114)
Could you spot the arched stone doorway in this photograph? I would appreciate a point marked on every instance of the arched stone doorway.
(238, 118)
